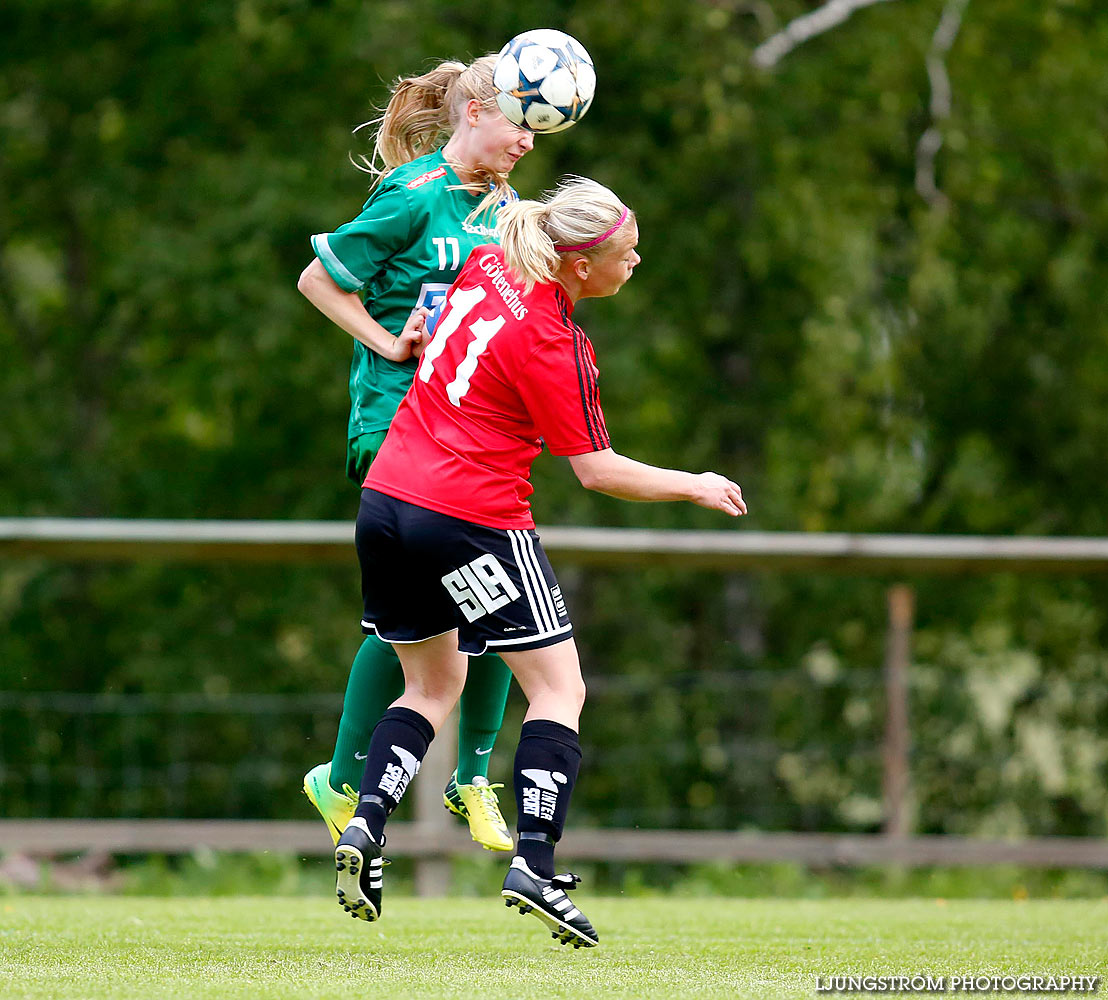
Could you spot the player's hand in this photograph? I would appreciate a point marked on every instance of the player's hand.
(413, 338)
(719, 493)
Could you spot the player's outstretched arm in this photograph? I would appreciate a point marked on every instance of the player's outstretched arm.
(347, 311)
(618, 476)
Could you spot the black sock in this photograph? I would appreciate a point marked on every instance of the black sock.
(396, 749)
(537, 849)
(547, 761)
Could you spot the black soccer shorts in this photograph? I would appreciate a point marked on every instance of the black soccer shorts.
(426, 573)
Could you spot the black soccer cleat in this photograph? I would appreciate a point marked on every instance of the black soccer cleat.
(358, 863)
(547, 900)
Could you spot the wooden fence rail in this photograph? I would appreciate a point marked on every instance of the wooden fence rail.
(106, 539)
(433, 842)
(432, 838)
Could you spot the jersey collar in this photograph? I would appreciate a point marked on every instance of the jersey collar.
(453, 178)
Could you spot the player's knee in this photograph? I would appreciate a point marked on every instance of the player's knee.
(450, 689)
(443, 689)
(570, 692)
(577, 693)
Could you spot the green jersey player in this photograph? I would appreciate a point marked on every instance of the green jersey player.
(383, 278)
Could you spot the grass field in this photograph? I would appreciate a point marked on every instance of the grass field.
(56, 948)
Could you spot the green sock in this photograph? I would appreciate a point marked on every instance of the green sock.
(376, 681)
(481, 714)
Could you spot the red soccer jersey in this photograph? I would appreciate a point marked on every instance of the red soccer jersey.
(503, 373)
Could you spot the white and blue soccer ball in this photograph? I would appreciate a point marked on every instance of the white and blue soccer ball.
(544, 80)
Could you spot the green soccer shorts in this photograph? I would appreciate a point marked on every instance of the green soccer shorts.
(360, 452)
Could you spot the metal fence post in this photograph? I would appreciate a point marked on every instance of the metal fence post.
(896, 783)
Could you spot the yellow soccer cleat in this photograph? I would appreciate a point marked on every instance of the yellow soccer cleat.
(336, 808)
(478, 805)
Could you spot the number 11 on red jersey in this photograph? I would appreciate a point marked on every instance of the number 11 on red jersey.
(461, 302)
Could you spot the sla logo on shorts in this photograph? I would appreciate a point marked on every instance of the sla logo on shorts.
(480, 587)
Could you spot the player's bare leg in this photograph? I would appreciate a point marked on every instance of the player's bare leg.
(434, 675)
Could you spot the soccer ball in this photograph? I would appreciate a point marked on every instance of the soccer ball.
(544, 80)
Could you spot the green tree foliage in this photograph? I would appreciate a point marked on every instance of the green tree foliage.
(860, 358)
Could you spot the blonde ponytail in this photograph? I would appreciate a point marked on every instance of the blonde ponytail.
(415, 121)
(528, 250)
(578, 216)
(423, 112)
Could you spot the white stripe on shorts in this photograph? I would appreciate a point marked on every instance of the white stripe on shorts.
(528, 582)
(401, 642)
(547, 596)
(497, 643)
(542, 589)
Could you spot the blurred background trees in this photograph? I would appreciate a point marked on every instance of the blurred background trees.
(858, 356)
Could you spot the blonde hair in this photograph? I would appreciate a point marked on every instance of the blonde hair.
(573, 218)
(423, 112)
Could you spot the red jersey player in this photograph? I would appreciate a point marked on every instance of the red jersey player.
(505, 372)
(451, 563)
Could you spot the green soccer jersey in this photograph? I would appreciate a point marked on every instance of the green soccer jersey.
(403, 251)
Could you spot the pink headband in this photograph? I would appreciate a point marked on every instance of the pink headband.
(599, 239)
